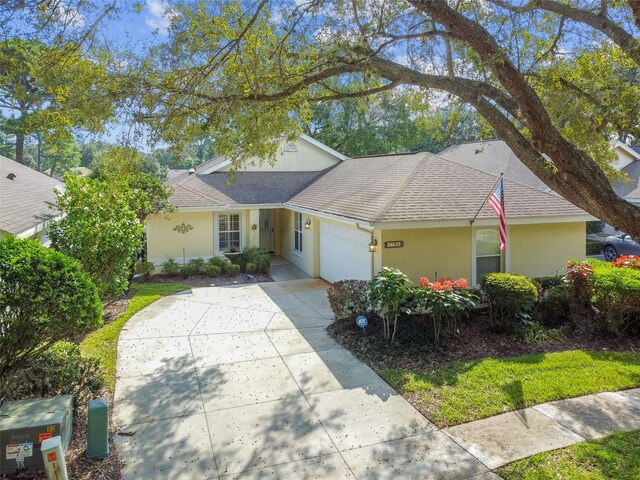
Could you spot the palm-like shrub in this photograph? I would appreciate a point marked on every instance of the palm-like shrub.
(387, 294)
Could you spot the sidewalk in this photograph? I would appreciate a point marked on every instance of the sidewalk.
(502, 439)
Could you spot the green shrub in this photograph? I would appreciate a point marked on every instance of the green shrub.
(171, 268)
(251, 268)
(231, 270)
(347, 299)
(260, 257)
(219, 262)
(555, 306)
(548, 282)
(197, 266)
(594, 247)
(616, 297)
(145, 269)
(60, 370)
(213, 271)
(387, 294)
(595, 226)
(45, 296)
(507, 296)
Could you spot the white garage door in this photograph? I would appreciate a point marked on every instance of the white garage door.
(344, 253)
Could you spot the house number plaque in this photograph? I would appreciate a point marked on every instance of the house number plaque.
(394, 244)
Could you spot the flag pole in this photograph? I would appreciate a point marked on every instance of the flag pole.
(485, 200)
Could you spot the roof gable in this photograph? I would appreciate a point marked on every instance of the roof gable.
(304, 154)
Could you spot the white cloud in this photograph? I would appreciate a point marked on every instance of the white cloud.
(68, 16)
(160, 15)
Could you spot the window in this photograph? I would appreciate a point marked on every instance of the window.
(488, 255)
(228, 232)
(297, 232)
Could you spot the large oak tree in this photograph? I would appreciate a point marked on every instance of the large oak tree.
(554, 79)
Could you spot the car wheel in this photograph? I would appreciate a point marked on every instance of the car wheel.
(610, 253)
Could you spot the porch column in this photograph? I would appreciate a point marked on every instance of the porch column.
(254, 232)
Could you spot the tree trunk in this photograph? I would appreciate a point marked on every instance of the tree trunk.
(20, 148)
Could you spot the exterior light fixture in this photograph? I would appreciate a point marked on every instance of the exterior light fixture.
(307, 224)
(373, 244)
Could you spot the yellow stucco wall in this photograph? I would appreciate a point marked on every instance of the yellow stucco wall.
(538, 250)
(307, 158)
(163, 242)
(426, 251)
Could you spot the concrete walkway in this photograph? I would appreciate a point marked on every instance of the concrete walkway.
(243, 382)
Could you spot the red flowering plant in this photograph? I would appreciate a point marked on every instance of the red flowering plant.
(627, 261)
(579, 281)
(445, 301)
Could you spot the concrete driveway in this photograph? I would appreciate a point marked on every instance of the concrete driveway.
(244, 383)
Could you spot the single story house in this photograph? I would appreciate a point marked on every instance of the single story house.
(26, 196)
(339, 218)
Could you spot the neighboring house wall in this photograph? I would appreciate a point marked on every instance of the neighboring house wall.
(426, 251)
(543, 249)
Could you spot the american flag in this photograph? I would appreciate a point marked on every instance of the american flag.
(496, 201)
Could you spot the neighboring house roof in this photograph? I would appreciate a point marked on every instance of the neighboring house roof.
(249, 188)
(631, 188)
(494, 157)
(25, 200)
(420, 186)
(175, 173)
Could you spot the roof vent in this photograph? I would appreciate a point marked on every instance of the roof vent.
(291, 147)
(192, 171)
(11, 176)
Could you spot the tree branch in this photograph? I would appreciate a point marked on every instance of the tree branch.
(626, 41)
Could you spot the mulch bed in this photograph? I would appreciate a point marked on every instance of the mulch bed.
(413, 348)
(204, 281)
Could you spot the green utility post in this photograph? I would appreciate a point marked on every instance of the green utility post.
(98, 429)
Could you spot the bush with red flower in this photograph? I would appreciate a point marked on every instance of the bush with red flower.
(627, 261)
(445, 301)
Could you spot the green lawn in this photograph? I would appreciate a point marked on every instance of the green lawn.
(462, 392)
(103, 342)
(616, 456)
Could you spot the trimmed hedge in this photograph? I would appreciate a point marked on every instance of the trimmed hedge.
(508, 295)
(220, 262)
(231, 270)
(213, 271)
(616, 296)
(549, 281)
(594, 247)
(45, 296)
(171, 268)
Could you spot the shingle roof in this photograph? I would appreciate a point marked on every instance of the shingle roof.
(25, 200)
(250, 188)
(494, 157)
(419, 186)
(631, 188)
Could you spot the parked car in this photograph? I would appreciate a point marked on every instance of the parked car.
(619, 245)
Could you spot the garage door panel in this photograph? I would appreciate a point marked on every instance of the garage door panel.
(344, 253)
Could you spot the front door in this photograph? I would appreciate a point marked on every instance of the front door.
(266, 229)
